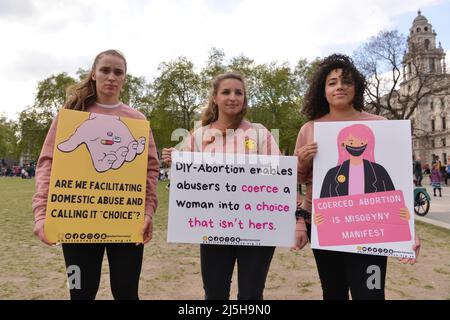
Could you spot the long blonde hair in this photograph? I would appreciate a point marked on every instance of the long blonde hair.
(84, 93)
(211, 112)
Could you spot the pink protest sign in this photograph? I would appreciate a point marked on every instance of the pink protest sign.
(362, 219)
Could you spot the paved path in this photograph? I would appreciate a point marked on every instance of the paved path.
(439, 213)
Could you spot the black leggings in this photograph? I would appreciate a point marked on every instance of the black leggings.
(125, 262)
(217, 263)
(340, 272)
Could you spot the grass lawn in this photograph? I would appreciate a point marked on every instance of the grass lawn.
(31, 270)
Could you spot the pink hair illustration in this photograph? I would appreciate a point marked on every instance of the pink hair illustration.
(361, 132)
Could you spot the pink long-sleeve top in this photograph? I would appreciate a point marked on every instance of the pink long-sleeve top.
(44, 165)
(306, 136)
(248, 138)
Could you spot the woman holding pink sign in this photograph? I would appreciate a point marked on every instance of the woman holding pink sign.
(336, 93)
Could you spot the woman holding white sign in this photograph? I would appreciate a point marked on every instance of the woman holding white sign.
(224, 130)
(336, 94)
(99, 93)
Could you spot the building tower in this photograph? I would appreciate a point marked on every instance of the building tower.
(431, 136)
(429, 58)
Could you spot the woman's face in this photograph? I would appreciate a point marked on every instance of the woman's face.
(339, 91)
(230, 97)
(109, 75)
(354, 146)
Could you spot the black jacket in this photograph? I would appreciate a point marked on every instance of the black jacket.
(376, 179)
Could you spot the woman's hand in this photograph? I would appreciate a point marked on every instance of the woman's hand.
(147, 230)
(416, 248)
(39, 232)
(306, 153)
(167, 156)
(301, 236)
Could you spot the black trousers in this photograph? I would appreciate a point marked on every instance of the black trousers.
(364, 275)
(217, 263)
(125, 262)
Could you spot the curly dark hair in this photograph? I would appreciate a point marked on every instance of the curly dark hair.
(316, 104)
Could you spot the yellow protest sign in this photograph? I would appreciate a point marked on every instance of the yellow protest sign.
(98, 179)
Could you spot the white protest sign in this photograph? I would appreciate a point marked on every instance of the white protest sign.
(232, 199)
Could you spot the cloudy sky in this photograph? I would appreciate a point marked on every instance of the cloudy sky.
(45, 37)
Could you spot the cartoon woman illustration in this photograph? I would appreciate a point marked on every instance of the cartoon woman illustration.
(356, 172)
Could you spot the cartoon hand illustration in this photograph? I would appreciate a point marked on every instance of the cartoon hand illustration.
(135, 148)
(108, 139)
(120, 156)
(404, 214)
(318, 219)
(106, 162)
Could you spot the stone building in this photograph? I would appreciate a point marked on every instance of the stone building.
(431, 119)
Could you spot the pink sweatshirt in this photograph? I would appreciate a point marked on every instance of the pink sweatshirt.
(306, 136)
(44, 164)
(245, 140)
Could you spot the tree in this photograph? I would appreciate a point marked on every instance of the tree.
(389, 92)
(276, 99)
(137, 94)
(178, 90)
(34, 122)
(32, 128)
(243, 65)
(214, 66)
(8, 139)
(176, 96)
(51, 94)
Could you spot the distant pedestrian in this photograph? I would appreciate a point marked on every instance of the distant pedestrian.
(447, 173)
(436, 178)
(417, 167)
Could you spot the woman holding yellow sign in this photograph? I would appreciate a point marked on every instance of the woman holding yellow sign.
(99, 95)
(224, 130)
